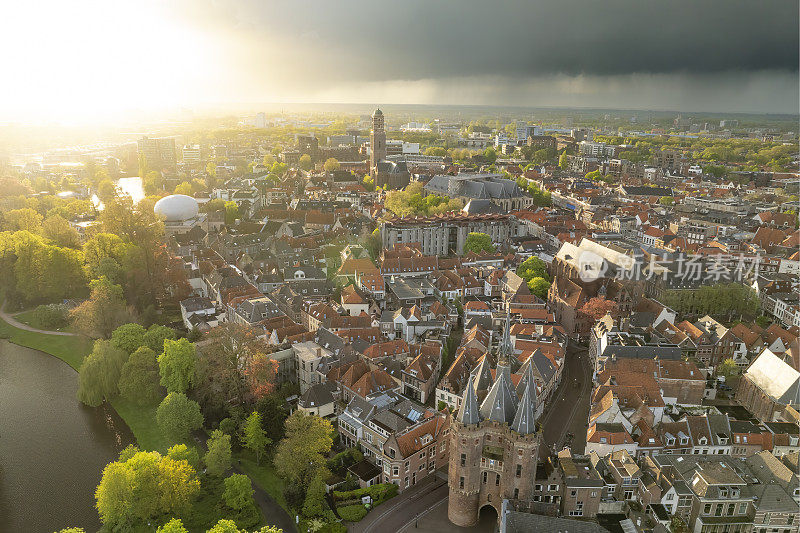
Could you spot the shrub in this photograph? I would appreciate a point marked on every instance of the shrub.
(52, 316)
(352, 513)
(379, 493)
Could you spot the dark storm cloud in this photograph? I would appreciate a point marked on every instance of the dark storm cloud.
(429, 39)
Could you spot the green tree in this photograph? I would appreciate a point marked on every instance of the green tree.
(101, 249)
(175, 525)
(184, 188)
(533, 267)
(103, 312)
(727, 368)
(25, 219)
(666, 200)
(217, 204)
(301, 454)
(100, 373)
(177, 365)
(490, 155)
(57, 229)
(305, 162)
(182, 452)
(231, 213)
(315, 495)
(563, 160)
(238, 492)
(436, 151)
(144, 487)
(218, 456)
(478, 242)
(539, 287)
(331, 164)
(254, 437)
(156, 335)
(138, 381)
(128, 337)
(177, 416)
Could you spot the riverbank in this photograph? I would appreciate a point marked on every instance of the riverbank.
(72, 349)
(141, 420)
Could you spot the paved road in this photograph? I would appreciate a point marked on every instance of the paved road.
(399, 511)
(17, 324)
(569, 407)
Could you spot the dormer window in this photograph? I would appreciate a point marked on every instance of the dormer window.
(684, 441)
(723, 492)
(702, 440)
(670, 441)
(734, 492)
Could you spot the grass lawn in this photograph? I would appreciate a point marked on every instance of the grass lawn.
(27, 317)
(69, 349)
(264, 476)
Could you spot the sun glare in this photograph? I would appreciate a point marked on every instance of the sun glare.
(95, 61)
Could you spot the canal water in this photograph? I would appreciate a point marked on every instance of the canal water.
(52, 448)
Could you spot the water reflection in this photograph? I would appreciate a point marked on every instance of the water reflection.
(52, 448)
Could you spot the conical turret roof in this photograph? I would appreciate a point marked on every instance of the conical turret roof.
(469, 412)
(500, 404)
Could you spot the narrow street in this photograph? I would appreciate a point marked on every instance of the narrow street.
(569, 407)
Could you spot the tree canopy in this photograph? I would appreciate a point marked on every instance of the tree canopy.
(478, 242)
(177, 416)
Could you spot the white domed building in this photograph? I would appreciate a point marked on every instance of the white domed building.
(179, 212)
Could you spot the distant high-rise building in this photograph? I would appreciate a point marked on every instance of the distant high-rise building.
(260, 121)
(191, 154)
(524, 131)
(377, 141)
(728, 123)
(158, 153)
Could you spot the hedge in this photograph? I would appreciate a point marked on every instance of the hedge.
(352, 513)
(379, 493)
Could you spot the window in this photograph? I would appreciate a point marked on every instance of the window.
(742, 508)
(594, 494)
(516, 494)
(497, 480)
(519, 470)
(574, 493)
(463, 459)
(707, 509)
(718, 509)
(461, 482)
(552, 487)
(538, 488)
(731, 508)
(485, 476)
(395, 471)
(723, 492)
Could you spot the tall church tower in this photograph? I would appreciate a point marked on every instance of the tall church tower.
(377, 142)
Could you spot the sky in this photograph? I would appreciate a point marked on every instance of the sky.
(97, 60)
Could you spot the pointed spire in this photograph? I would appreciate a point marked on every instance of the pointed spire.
(501, 402)
(525, 419)
(506, 349)
(527, 375)
(483, 374)
(469, 413)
